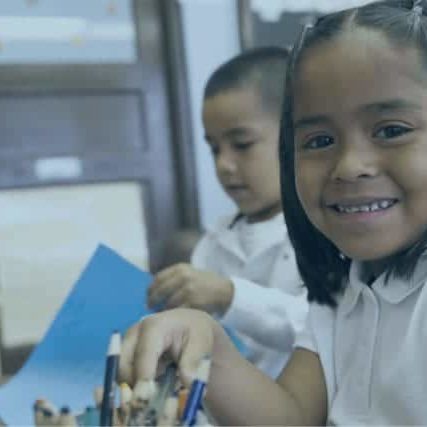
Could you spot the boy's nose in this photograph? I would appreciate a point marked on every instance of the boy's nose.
(354, 161)
(225, 164)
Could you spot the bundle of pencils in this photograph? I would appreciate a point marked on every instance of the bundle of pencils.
(163, 402)
(45, 414)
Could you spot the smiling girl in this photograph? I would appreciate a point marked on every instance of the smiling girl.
(354, 184)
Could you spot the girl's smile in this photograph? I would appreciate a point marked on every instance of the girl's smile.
(360, 144)
(361, 217)
(361, 208)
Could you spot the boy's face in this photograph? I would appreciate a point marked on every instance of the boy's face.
(244, 141)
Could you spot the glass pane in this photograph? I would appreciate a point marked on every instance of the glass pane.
(35, 282)
(64, 31)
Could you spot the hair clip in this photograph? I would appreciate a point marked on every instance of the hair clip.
(342, 256)
(417, 7)
(418, 10)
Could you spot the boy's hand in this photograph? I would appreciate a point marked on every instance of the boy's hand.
(183, 286)
(186, 336)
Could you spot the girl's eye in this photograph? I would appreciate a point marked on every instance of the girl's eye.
(318, 142)
(392, 131)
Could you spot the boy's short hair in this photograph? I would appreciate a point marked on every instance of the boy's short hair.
(262, 68)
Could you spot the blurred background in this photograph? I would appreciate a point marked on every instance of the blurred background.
(101, 137)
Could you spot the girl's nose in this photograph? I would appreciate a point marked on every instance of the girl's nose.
(355, 160)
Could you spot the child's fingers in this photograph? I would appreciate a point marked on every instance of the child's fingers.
(151, 344)
(162, 291)
(177, 299)
(198, 346)
(159, 280)
(142, 347)
(187, 335)
(174, 270)
(163, 274)
(126, 364)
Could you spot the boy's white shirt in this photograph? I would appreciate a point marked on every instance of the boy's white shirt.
(269, 304)
(373, 350)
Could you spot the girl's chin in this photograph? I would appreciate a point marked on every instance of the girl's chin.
(367, 254)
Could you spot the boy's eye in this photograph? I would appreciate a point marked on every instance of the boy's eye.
(214, 149)
(391, 131)
(317, 142)
(242, 146)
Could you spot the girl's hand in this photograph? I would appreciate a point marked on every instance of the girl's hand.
(184, 335)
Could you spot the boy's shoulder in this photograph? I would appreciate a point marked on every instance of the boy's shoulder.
(222, 224)
(228, 224)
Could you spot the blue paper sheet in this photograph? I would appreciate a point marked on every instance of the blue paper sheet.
(69, 362)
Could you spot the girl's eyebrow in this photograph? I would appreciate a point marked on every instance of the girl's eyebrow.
(374, 107)
(311, 121)
(390, 105)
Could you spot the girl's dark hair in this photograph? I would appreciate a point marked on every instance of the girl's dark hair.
(323, 269)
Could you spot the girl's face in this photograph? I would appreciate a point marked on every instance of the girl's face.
(360, 118)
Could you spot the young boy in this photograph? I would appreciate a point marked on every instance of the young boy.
(243, 271)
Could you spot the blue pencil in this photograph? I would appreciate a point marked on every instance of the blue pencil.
(196, 394)
(111, 367)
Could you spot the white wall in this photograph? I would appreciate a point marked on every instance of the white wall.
(63, 31)
(211, 37)
(270, 10)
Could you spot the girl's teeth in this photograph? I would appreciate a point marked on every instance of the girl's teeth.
(376, 206)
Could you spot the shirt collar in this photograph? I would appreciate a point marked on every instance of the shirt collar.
(275, 234)
(397, 289)
(393, 291)
(353, 288)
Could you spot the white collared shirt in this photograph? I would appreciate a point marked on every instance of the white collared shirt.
(373, 350)
(269, 304)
